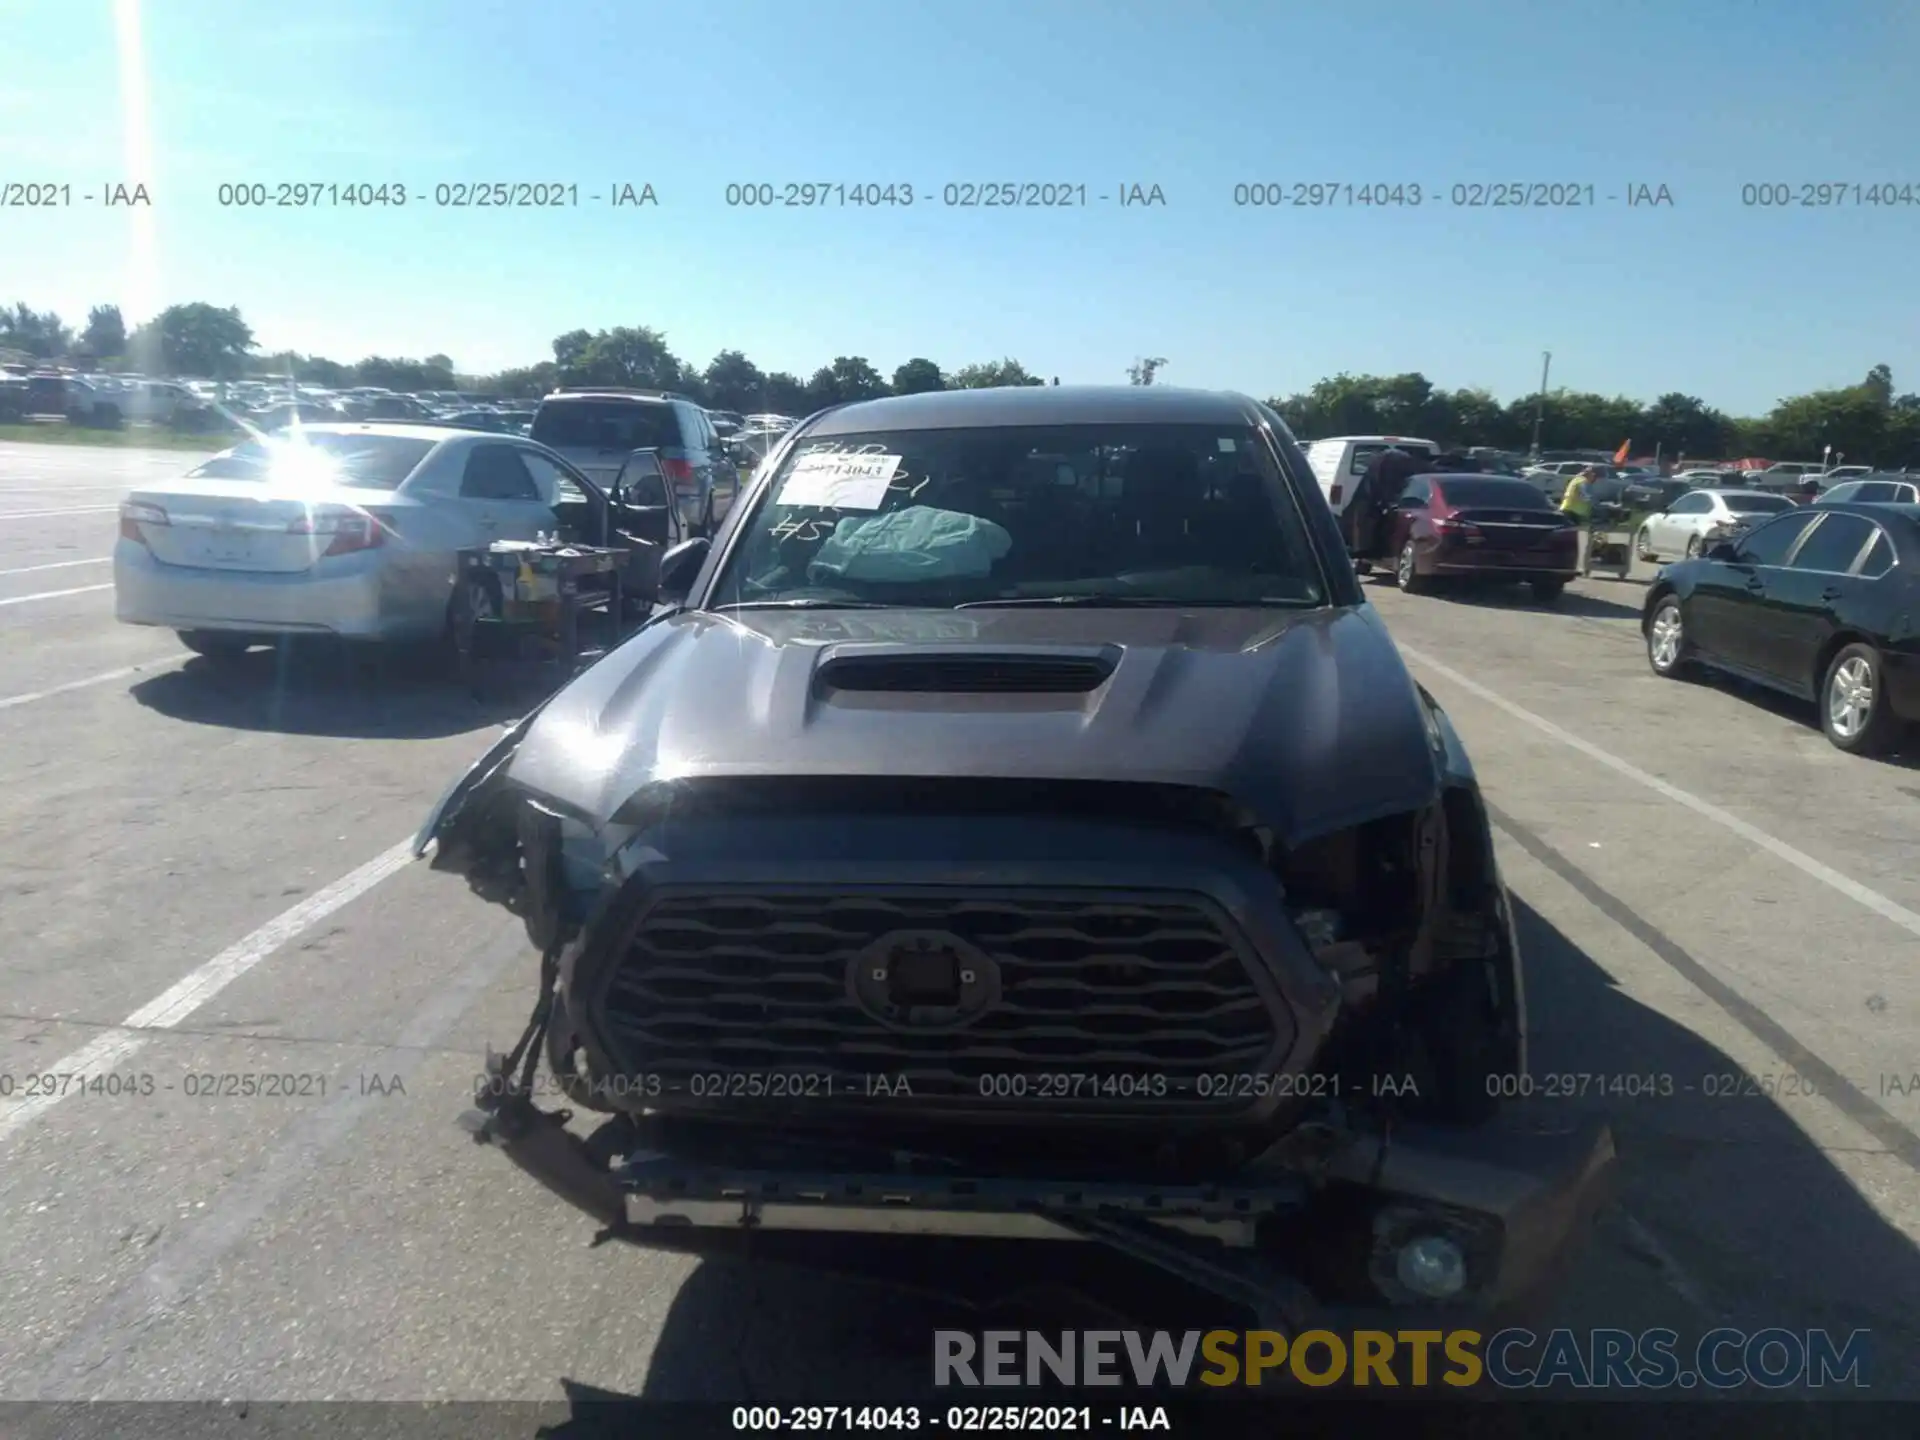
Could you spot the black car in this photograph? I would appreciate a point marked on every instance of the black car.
(1816, 602)
(1651, 494)
(1019, 824)
(1607, 490)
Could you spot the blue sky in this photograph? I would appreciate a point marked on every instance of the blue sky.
(1734, 304)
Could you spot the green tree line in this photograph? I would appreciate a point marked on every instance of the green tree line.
(1867, 422)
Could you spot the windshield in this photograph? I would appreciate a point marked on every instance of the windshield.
(1175, 513)
(364, 462)
(1365, 455)
(1505, 494)
(1756, 504)
(605, 424)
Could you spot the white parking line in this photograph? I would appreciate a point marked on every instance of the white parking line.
(105, 1052)
(55, 594)
(1845, 884)
(8, 702)
(48, 514)
(56, 565)
(182, 1261)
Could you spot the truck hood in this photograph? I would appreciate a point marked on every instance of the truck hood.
(1309, 718)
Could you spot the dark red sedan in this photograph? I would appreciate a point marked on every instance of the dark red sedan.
(1481, 527)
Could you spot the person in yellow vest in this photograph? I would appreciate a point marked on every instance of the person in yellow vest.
(1576, 502)
(1577, 499)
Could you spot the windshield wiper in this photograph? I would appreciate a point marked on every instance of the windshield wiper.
(809, 602)
(1145, 602)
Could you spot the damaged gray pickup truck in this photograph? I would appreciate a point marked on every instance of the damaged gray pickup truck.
(1016, 826)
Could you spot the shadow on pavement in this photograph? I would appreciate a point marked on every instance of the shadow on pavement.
(1571, 602)
(1769, 1233)
(1800, 715)
(330, 690)
(1767, 1230)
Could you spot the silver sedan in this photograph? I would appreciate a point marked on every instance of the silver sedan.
(351, 530)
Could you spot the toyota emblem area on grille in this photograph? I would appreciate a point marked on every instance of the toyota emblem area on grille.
(923, 980)
(1015, 1000)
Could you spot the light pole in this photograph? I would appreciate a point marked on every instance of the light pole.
(1540, 403)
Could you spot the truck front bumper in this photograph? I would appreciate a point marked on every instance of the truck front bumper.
(1517, 1204)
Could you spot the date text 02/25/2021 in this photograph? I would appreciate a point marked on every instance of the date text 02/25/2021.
(1090, 1086)
(953, 195)
(1467, 195)
(48, 1085)
(951, 1420)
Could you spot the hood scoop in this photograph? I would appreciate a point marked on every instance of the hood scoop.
(1040, 670)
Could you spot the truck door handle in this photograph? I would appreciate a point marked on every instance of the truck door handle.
(1756, 584)
(1832, 592)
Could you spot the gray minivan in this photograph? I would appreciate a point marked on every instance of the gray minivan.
(597, 429)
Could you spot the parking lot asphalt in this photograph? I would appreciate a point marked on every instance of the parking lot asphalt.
(200, 876)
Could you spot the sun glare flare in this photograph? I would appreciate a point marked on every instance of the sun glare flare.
(137, 144)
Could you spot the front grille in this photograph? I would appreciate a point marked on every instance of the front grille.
(1102, 1001)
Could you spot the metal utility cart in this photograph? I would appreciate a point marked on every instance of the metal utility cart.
(1610, 532)
(535, 607)
(1614, 535)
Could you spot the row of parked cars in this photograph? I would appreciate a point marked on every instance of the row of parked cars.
(1784, 477)
(108, 402)
(1814, 596)
(104, 402)
(356, 532)
(207, 406)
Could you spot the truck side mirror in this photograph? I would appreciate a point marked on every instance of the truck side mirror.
(680, 567)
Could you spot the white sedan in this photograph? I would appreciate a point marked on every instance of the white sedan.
(1682, 527)
(353, 530)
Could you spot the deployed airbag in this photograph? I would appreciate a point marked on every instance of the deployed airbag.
(918, 543)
